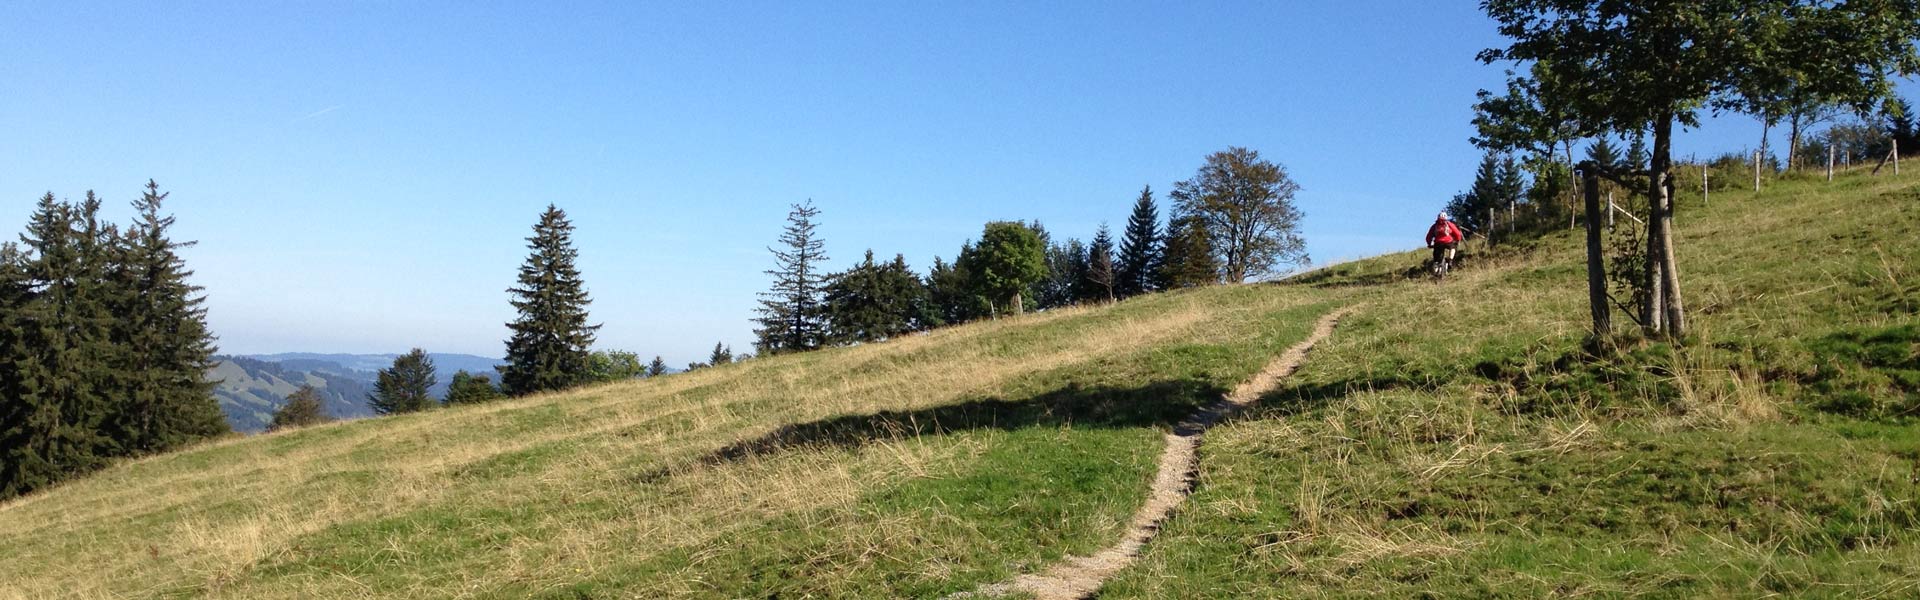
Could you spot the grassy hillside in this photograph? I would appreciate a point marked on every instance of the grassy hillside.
(1456, 440)
(916, 467)
(1450, 440)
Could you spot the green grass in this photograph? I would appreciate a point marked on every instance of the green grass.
(1458, 440)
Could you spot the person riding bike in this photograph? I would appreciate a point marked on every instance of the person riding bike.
(1444, 238)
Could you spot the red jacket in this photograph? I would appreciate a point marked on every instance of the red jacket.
(1444, 232)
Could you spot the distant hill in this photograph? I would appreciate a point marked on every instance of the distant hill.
(253, 386)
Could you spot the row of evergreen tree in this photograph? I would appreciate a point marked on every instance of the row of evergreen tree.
(104, 346)
(1233, 220)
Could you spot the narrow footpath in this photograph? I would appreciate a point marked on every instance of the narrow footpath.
(1080, 577)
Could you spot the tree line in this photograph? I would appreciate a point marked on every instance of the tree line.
(1233, 220)
(104, 346)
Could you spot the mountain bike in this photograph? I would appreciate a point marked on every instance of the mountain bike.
(1439, 265)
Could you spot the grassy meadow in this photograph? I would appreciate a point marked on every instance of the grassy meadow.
(915, 467)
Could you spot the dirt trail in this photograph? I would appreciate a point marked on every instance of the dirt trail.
(1080, 577)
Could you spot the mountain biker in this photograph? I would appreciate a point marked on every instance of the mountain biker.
(1444, 237)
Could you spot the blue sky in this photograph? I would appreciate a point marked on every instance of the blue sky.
(360, 175)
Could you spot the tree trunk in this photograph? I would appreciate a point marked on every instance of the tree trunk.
(1793, 142)
(1661, 232)
(1017, 304)
(1596, 262)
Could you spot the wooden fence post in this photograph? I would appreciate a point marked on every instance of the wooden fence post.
(1610, 210)
(1756, 170)
(1829, 163)
(1596, 263)
(1706, 191)
(1896, 157)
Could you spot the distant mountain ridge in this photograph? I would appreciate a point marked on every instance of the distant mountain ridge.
(253, 386)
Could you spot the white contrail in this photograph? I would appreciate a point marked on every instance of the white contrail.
(317, 113)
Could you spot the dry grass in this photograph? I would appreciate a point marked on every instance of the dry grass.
(558, 493)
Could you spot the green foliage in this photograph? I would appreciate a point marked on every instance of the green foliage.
(403, 387)
(103, 344)
(1140, 248)
(614, 365)
(951, 291)
(1245, 203)
(303, 409)
(1190, 256)
(1497, 185)
(722, 355)
(469, 388)
(1008, 259)
(871, 302)
(1066, 269)
(549, 349)
(793, 313)
(1097, 284)
(657, 368)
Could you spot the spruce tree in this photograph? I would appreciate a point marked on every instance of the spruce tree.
(1100, 276)
(1472, 210)
(911, 294)
(1140, 248)
(872, 302)
(403, 387)
(951, 293)
(469, 388)
(164, 397)
(657, 368)
(302, 409)
(722, 355)
(60, 359)
(551, 342)
(1603, 154)
(793, 312)
(1190, 258)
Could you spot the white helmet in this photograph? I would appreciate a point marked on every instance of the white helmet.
(1443, 217)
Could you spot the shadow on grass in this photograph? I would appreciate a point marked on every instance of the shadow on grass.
(1156, 404)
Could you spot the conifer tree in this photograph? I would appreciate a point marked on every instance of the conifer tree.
(551, 342)
(793, 312)
(59, 362)
(657, 368)
(164, 397)
(1190, 258)
(951, 293)
(403, 387)
(911, 292)
(470, 388)
(302, 409)
(722, 355)
(872, 301)
(1603, 154)
(1140, 248)
(1100, 276)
